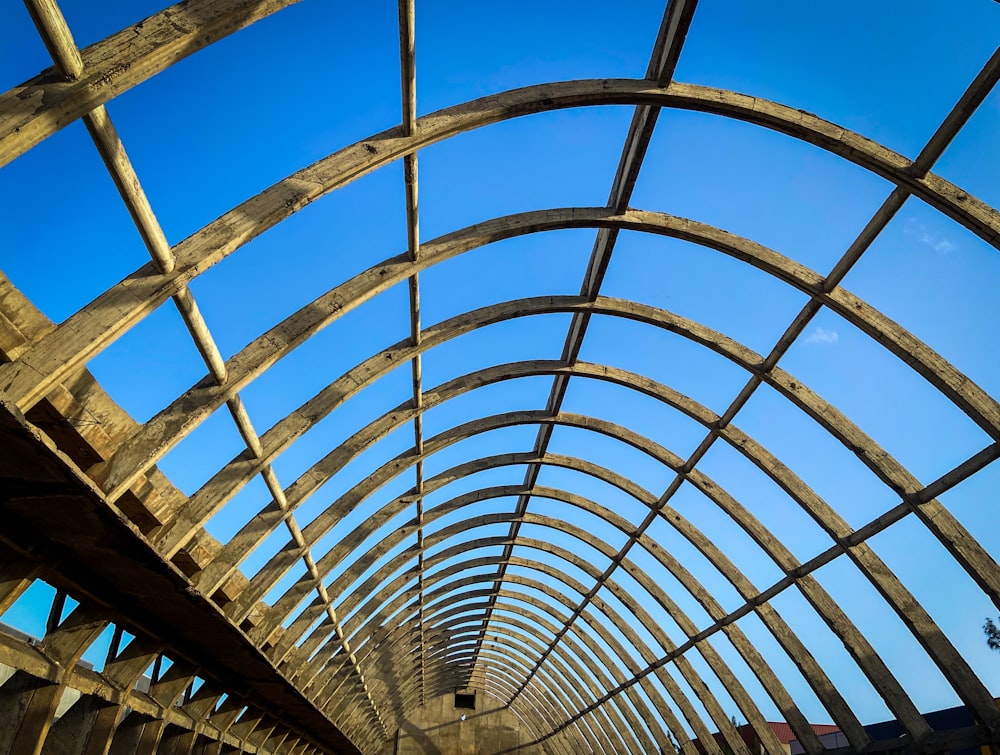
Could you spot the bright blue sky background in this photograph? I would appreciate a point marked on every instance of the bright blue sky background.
(251, 109)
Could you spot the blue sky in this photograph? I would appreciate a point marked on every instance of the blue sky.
(226, 123)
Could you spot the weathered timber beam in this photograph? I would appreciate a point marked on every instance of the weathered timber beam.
(86, 542)
(83, 335)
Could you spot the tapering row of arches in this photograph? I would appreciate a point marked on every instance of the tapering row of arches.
(401, 609)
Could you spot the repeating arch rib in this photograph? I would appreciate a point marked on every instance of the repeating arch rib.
(977, 563)
(465, 500)
(673, 610)
(448, 553)
(83, 335)
(814, 674)
(768, 680)
(874, 457)
(883, 678)
(562, 599)
(963, 392)
(421, 620)
(545, 696)
(575, 659)
(575, 587)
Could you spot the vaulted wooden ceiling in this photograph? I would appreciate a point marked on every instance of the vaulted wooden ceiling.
(328, 644)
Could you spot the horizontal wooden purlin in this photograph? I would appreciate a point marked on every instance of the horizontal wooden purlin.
(38, 108)
(51, 511)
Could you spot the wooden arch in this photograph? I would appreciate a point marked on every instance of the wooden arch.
(405, 608)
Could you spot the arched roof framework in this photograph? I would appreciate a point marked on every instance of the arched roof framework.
(801, 657)
(658, 595)
(672, 566)
(561, 599)
(340, 650)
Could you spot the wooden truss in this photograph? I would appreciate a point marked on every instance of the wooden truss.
(208, 666)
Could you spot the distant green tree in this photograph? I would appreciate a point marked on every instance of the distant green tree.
(992, 634)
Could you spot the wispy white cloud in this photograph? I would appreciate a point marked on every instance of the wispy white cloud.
(924, 235)
(822, 335)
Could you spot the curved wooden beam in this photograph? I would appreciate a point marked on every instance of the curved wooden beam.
(464, 548)
(560, 598)
(937, 519)
(955, 538)
(637, 713)
(35, 110)
(546, 696)
(800, 492)
(812, 671)
(611, 729)
(581, 662)
(769, 680)
(116, 64)
(613, 618)
(559, 617)
(885, 683)
(975, 560)
(151, 441)
(83, 335)
(168, 427)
